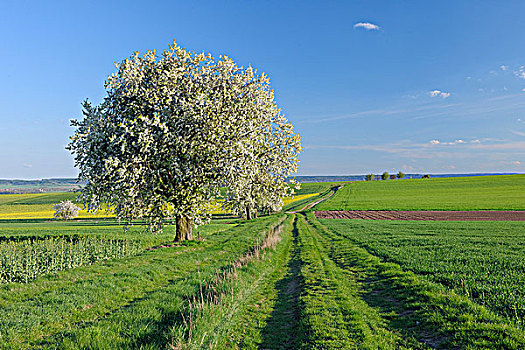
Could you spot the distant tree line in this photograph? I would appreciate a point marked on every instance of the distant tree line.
(384, 176)
(387, 176)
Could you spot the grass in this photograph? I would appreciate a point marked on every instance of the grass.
(484, 261)
(502, 192)
(315, 187)
(413, 312)
(122, 303)
(286, 281)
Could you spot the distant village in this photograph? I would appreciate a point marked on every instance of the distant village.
(39, 186)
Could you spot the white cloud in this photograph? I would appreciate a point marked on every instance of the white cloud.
(517, 163)
(438, 93)
(504, 67)
(520, 73)
(468, 78)
(367, 26)
(28, 165)
(437, 142)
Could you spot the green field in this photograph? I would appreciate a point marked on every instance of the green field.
(122, 303)
(484, 261)
(502, 192)
(285, 281)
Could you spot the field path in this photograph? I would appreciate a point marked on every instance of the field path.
(495, 215)
(310, 205)
(281, 328)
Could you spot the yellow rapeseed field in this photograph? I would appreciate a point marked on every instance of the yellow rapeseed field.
(289, 200)
(40, 206)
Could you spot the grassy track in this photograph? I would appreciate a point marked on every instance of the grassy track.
(503, 192)
(484, 261)
(123, 303)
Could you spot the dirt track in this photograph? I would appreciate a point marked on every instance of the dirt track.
(424, 215)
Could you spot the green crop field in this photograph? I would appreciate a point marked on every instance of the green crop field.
(285, 281)
(484, 261)
(502, 192)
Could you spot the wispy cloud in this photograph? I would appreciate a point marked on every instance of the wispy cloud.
(520, 73)
(28, 165)
(439, 93)
(503, 67)
(436, 149)
(367, 26)
(456, 142)
(426, 110)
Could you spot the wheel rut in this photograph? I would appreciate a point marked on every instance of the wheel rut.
(282, 328)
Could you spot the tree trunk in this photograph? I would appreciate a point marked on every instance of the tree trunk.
(248, 213)
(184, 229)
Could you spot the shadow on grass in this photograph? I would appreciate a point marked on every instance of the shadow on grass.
(282, 328)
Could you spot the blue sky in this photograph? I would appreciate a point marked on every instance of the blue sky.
(417, 86)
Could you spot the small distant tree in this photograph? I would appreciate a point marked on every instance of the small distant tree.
(400, 175)
(370, 177)
(65, 210)
(426, 177)
(385, 176)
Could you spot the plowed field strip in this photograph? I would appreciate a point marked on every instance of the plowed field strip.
(424, 215)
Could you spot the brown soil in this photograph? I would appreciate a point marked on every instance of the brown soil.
(424, 215)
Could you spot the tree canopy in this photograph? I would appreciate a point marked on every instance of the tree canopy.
(175, 128)
(65, 210)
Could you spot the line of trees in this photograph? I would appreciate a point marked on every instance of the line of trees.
(173, 130)
(384, 176)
